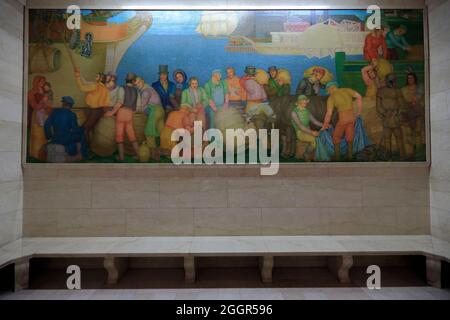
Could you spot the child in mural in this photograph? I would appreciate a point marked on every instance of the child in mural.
(390, 106)
(301, 120)
(61, 128)
(97, 98)
(181, 83)
(413, 117)
(395, 40)
(48, 92)
(311, 85)
(374, 44)
(127, 102)
(36, 103)
(342, 100)
(165, 89)
(195, 100)
(151, 105)
(237, 93)
(277, 85)
(218, 96)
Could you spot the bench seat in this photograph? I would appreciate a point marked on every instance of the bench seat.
(116, 249)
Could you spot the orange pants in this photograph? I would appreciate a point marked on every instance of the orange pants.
(345, 125)
(124, 123)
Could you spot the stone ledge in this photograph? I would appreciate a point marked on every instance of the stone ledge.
(224, 246)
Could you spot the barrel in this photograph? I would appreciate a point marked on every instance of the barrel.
(103, 142)
(229, 118)
(139, 122)
(44, 59)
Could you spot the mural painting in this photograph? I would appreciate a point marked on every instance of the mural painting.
(116, 89)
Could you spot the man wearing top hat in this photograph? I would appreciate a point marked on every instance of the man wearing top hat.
(128, 99)
(61, 127)
(165, 88)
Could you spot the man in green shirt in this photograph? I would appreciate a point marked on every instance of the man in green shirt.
(195, 99)
(301, 121)
(218, 95)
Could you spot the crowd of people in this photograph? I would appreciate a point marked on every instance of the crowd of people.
(170, 105)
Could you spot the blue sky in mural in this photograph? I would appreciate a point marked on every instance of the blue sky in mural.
(172, 40)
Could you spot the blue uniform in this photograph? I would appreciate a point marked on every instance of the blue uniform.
(61, 127)
(163, 94)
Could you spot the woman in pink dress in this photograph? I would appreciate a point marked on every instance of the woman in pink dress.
(37, 103)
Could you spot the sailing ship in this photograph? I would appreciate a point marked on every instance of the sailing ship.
(217, 24)
(118, 37)
(107, 32)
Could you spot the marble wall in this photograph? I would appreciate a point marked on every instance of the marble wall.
(440, 117)
(172, 201)
(11, 47)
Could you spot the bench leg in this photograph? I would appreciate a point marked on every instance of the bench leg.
(434, 272)
(21, 274)
(266, 268)
(189, 269)
(340, 266)
(116, 268)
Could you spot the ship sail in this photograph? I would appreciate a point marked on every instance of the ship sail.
(216, 24)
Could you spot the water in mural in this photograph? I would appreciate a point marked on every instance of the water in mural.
(116, 89)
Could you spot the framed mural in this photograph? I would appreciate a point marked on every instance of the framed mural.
(115, 89)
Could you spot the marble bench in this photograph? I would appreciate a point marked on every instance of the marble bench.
(115, 251)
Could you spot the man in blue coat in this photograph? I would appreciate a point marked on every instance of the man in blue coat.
(61, 127)
(165, 88)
